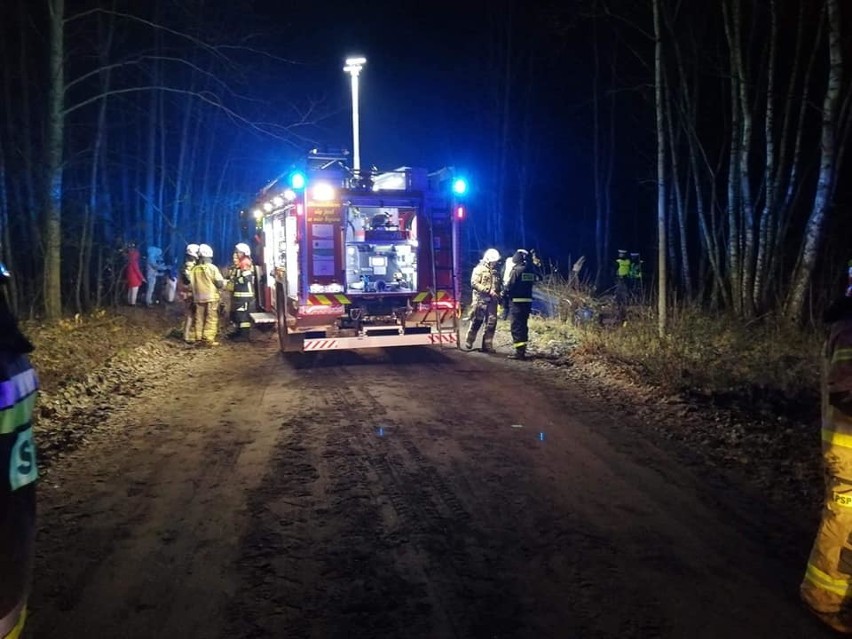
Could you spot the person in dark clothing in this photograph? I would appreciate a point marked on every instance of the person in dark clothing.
(519, 294)
(18, 468)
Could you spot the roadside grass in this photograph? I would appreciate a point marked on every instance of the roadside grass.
(69, 350)
(764, 365)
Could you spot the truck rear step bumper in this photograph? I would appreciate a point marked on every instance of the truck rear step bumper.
(380, 341)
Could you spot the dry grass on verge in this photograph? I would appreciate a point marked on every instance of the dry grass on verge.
(68, 350)
(708, 356)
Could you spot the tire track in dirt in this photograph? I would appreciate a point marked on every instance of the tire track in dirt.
(155, 535)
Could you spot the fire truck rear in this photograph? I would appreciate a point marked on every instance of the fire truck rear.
(354, 260)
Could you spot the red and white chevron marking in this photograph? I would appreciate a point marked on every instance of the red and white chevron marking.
(443, 338)
(321, 345)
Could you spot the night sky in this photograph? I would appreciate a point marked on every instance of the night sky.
(425, 97)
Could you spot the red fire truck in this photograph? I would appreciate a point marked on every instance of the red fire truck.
(350, 261)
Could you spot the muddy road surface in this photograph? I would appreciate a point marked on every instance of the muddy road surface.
(397, 493)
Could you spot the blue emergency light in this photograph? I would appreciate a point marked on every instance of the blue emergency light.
(459, 186)
(297, 180)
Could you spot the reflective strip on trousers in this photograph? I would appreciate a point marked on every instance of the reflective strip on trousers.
(823, 581)
(841, 355)
(836, 439)
(522, 299)
(519, 344)
(7, 631)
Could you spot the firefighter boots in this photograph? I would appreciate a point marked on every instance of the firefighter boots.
(520, 353)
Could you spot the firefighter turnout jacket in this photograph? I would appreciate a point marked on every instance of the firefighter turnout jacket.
(519, 286)
(18, 474)
(243, 293)
(827, 585)
(206, 280)
(485, 283)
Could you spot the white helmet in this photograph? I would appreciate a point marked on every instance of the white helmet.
(205, 251)
(242, 247)
(192, 250)
(491, 255)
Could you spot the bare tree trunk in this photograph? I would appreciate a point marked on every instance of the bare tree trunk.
(791, 186)
(5, 233)
(55, 140)
(677, 195)
(662, 275)
(597, 178)
(741, 80)
(734, 191)
(506, 119)
(767, 222)
(814, 230)
(525, 153)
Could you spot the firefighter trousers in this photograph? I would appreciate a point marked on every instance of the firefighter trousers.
(206, 321)
(827, 586)
(519, 315)
(189, 321)
(483, 312)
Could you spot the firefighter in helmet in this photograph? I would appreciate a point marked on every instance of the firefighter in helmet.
(519, 294)
(206, 281)
(242, 291)
(18, 468)
(485, 282)
(184, 290)
(827, 585)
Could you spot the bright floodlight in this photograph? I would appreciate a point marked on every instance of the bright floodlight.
(257, 213)
(278, 200)
(323, 192)
(355, 61)
(289, 195)
(460, 186)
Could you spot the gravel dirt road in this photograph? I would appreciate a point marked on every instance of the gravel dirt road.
(397, 493)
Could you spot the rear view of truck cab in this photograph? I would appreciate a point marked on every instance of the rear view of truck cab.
(359, 259)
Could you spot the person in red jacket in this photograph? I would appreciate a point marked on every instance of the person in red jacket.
(133, 274)
(18, 469)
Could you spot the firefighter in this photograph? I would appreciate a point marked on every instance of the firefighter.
(185, 292)
(18, 469)
(485, 282)
(206, 281)
(519, 293)
(827, 585)
(242, 291)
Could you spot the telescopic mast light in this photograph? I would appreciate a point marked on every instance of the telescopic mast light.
(353, 68)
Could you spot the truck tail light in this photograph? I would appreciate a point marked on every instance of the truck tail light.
(460, 212)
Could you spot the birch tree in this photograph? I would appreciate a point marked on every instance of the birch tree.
(815, 227)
